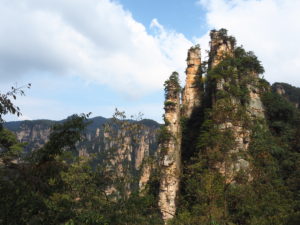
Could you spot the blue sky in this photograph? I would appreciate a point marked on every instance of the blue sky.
(183, 16)
(95, 55)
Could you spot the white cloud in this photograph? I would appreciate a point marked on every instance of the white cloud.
(95, 39)
(173, 46)
(47, 108)
(270, 28)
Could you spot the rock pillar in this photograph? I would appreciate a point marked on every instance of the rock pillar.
(222, 46)
(170, 150)
(191, 96)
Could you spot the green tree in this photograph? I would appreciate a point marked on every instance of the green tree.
(6, 102)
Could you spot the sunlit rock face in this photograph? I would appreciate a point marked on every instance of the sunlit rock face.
(170, 154)
(34, 134)
(115, 149)
(197, 98)
(191, 95)
(222, 46)
(128, 158)
(255, 107)
(146, 171)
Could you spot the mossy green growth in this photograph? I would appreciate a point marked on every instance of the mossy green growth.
(169, 104)
(223, 34)
(172, 86)
(232, 77)
(164, 135)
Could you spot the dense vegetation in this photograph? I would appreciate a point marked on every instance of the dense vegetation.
(268, 192)
(52, 185)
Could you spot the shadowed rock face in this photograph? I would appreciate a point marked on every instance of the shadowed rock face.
(289, 92)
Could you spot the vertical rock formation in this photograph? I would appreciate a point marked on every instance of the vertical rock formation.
(170, 152)
(192, 90)
(222, 47)
(255, 107)
(125, 151)
(224, 110)
(128, 150)
(145, 176)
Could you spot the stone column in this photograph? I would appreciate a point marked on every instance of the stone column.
(191, 96)
(170, 150)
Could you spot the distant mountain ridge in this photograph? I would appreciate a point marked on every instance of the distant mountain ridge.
(35, 132)
(116, 147)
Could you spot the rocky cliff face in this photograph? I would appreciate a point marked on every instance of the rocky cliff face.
(125, 150)
(191, 96)
(221, 46)
(35, 134)
(222, 49)
(175, 111)
(171, 155)
(231, 94)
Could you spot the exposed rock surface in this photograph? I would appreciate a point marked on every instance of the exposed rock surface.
(171, 155)
(255, 107)
(241, 96)
(145, 176)
(192, 90)
(35, 134)
(221, 47)
(279, 89)
(123, 152)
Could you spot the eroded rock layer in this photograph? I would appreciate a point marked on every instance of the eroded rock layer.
(229, 97)
(223, 48)
(123, 150)
(170, 152)
(192, 90)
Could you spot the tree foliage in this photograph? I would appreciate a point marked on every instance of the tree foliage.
(6, 103)
(53, 185)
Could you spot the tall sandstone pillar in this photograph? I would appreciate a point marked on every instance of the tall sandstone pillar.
(222, 46)
(191, 96)
(170, 150)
